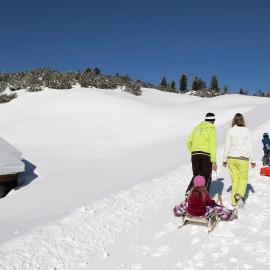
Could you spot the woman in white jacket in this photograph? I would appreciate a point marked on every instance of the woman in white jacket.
(237, 154)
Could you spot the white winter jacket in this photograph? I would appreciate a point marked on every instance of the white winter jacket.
(238, 144)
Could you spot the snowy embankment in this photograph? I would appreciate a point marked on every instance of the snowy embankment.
(87, 144)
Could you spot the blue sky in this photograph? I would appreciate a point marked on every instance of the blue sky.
(146, 39)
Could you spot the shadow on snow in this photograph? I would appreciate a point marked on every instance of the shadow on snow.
(248, 190)
(23, 179)
(216, 187)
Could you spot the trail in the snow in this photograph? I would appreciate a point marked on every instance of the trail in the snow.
(156, 244)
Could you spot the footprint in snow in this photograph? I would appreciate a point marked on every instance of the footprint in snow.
(216, 255)
(161, 251)
(261, 259)
(199, 259)
(195, 240)
(158, 235)
(247, 248)
(247, 266)
(253, 229)
(233, 260)
(199, 256)
(132, 267)
(199, 264)
(170, 227)
(236, 241)
(194, 230)
(83, 264)
(261, 249)
(136, 267)
(144, 250)
(265, 233)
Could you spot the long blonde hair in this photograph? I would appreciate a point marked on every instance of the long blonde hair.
(238, 120)
(201, 190)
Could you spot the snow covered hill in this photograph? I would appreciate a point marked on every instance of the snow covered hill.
(106, 168)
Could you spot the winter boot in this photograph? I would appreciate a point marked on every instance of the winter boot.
(239, 201)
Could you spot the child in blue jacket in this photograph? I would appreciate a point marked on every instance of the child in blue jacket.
(266, 149)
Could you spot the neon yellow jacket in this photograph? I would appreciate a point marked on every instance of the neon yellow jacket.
(203, 138)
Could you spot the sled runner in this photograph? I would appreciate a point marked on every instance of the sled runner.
(211, 221)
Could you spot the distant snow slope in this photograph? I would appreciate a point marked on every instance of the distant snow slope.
(89, 143)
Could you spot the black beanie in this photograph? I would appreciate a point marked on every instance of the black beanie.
(210, 117)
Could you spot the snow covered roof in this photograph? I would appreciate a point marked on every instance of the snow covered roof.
(10, 159)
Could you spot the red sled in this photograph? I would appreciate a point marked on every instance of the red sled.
(265, 171)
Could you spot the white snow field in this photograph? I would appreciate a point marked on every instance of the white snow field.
(104, 170)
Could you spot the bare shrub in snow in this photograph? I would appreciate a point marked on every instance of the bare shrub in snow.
(85, 78)
(34, 88)
(3, 86)
(206, 93)
(134, 88)
(4, 98)
(95, 79)
(56, 80)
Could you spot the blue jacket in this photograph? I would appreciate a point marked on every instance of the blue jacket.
(266, 143)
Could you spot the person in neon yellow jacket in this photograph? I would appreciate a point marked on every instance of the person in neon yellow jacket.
(202, 144)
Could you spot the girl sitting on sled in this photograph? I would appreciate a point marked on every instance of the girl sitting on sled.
(199, 203)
